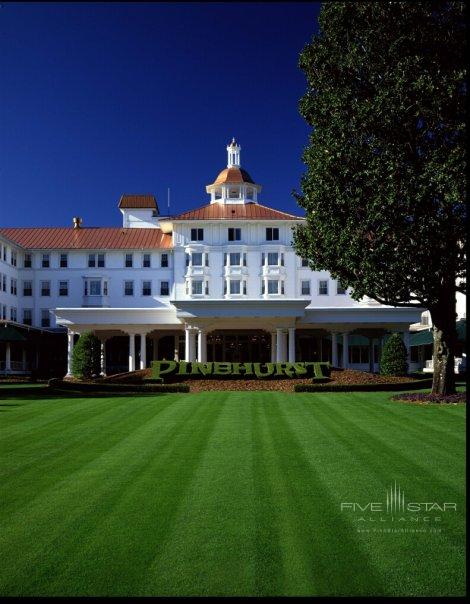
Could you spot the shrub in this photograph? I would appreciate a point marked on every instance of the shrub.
(107, 387)
(86, 359)
(362, 387)
(394, 354)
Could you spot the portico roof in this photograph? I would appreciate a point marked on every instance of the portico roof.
(266, 309)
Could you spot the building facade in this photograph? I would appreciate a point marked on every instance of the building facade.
(219, 282)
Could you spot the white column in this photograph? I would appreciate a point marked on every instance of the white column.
(103, 356)
(291, 344)
(70, 335)
(406, 341)
(131, 352)
(227, 286)
(192, 345)
(7, 357)
(273, 347)
(265, 286)
(279, 345)
(143, 350)
(202, 346)
(345, 350)
(334, 349)
(187, 344)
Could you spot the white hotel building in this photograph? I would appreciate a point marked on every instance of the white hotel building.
(219, 282)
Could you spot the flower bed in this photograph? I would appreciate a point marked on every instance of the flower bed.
(423, 398)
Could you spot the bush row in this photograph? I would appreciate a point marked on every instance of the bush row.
(362, 387)
(57, 384)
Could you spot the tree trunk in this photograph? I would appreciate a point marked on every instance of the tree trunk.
(445, 337)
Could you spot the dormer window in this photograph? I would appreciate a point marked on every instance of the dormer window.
(233, 193)
(218, 194)
(249, 193)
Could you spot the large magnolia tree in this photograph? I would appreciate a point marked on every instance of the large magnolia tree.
(384, 188)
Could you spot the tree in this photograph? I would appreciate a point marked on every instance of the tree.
(384, 188)
(86, 359)
(394, 354)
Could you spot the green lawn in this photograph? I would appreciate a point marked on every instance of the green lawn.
(229, 493)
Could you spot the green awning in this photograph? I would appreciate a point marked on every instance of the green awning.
(424, 337)
(421, 338)
(10, 334)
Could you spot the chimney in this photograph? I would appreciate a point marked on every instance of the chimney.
(77, 222)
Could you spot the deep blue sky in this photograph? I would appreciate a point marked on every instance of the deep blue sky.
(97, 100)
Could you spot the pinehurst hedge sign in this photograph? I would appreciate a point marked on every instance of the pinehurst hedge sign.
(222, 370)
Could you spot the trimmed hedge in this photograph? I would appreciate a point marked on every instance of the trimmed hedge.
(393, 359)
(100, 387)
(86, 356)
(362, 387)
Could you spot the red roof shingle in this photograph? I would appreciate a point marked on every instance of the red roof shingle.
(249, 211)
(138, 202)
(87, 238)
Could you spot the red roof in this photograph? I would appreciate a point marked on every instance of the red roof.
(138, 202)
(87, 238)
(233, 175)
(249, 211)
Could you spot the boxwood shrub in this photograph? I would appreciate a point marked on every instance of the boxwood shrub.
(107, 387)
(362, 387)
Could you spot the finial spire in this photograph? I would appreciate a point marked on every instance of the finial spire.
(233, 153)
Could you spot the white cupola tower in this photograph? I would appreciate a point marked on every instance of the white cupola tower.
(233, 153)
(233, 184)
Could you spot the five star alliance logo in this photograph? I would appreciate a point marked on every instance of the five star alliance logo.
(395, 508)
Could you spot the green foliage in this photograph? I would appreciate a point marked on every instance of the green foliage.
(394, 386)
(86, 356)
(116, 388)
(384, 188)
(393, 359)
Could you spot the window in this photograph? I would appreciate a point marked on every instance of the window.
(93, 287)
(45, 318)
(27, 316)
(13, 258)
(91, 260)
(164, 288)
(46, 261)
(234, 234)
(249, 193)
(305, 288)
(63, 261)
(4, 255)
(323, 288)
(340, 290)
(235, 286)
(13, 314)
(13, 287)
(272, 234)
(129, 261)
(146, 288)
(4, 283)
(196, 288)
(197, 259)
(128, 288)
(164, 261)
(4, 312)
(235, 259)
(273, 286)
(197, 234)
(45, 288)
(218, 194)
(146, 260)
(63, 288)
(304, 263)
(273, 258)
(207, 288)
(101, 260)
(28, 261)
(27, 288)
(234, 193)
